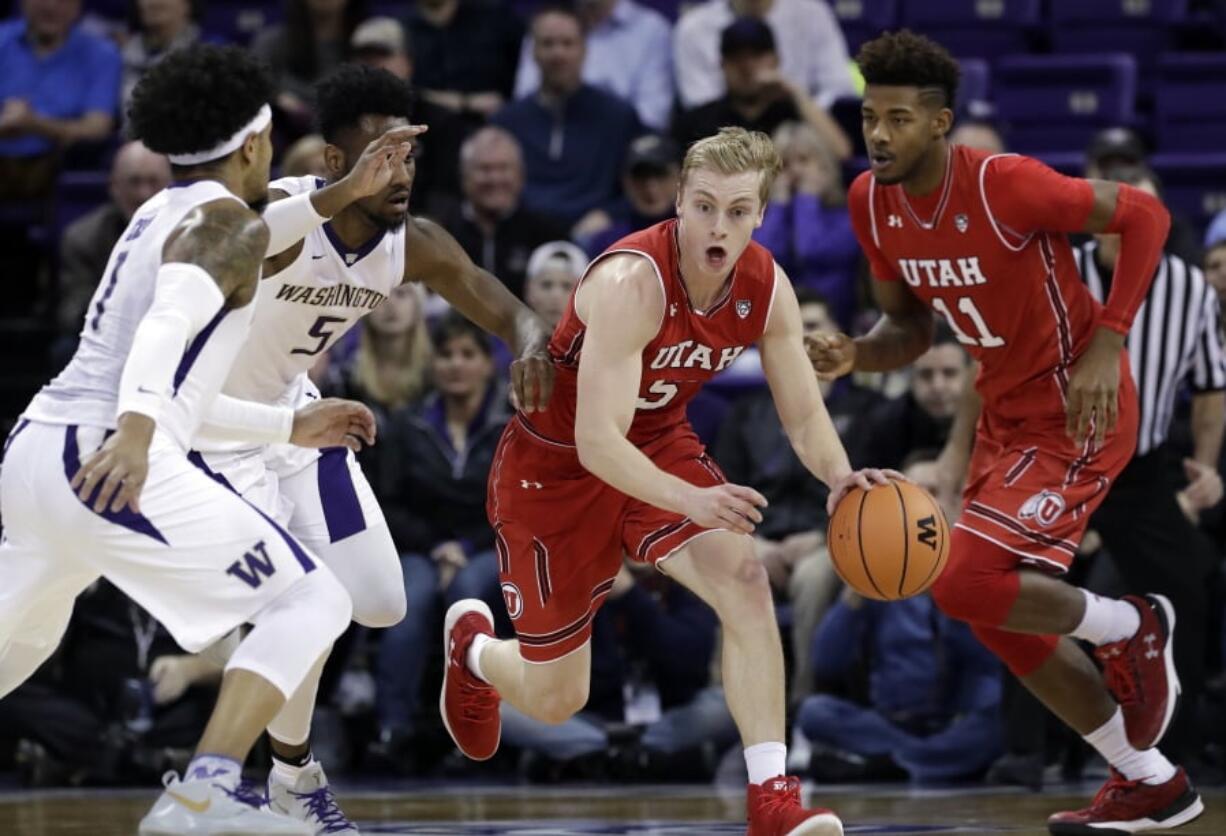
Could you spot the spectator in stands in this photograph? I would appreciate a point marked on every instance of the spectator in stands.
(59, 86)
(553, 271)
(933, 707)
(306, 156)
(574, 136)
(812, 52)
(313, 40)
(756, 95)
(1112, 147)
(157, 27)
(753, 450)
(652, 646)
(466, 51)
(629, 54)
(137, 174)
(978, 134)
(651, 176)
(491, 224)
(806, 226)
(1215, 265)
(921, 418)
(120, 694)
(436, 512)
(380, 42)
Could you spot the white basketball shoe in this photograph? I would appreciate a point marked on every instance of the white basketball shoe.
(208, 807)
(309, 800)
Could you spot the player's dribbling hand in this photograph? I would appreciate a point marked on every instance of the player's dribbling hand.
(1092, 400)
(333, 422)
(120, 466)
(865, 479)
(532, 381)
(380, 161)
(733, 507)
(832, 355)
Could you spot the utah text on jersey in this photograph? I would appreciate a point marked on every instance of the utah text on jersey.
(942, 272)
(689, 355)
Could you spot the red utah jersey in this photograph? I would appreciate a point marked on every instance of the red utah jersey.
(690, 347)
(987, 251)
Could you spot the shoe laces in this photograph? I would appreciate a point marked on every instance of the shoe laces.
(478, 702)
(1116, 786)
(1121, 677)
(776, 799)
(246, 793)
(324, 808)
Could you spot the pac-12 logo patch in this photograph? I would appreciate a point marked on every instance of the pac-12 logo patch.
(513, 600)
(743, 307)
(961, 222)
(1045, 507)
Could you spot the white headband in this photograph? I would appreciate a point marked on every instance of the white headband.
(258, 123)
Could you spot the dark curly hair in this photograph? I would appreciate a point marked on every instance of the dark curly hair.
(355, 90)
(905, 59)
(195, 98)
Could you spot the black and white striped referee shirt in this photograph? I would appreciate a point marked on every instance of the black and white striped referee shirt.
(1175, 338)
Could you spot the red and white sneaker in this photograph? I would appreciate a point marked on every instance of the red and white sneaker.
(1124, 806)
(468, 705)
(774, 809)
(1140, 672)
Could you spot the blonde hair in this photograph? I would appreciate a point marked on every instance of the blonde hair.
(735, 151)
(395, 381)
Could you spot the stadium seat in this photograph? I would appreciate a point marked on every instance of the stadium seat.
(978, 28)
(1189, 104)
(863, 20)
(1057, 102)
(1194, 185)
(1141, 28)
(239, 21)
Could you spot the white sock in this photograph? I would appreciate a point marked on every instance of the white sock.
(287, 773)
(766, 761)
(1106, 620)
(224, 770)
(1111, 741)
(474, 655)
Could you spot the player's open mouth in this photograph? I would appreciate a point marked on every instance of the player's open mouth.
(400, 201)
(880, 160)
(717, 257)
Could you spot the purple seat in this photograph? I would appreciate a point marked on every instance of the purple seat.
(1141, 28)
(978, 28)
(237, 21)
(976, 82)
(1057, 102)
(863, 20)
(1194, 185)
(1190, 107)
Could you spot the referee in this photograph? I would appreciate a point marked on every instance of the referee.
(1147, 520)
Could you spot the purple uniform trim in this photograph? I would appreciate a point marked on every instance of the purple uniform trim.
(194, 348)
(21, 425)
(128, 518)
(338, 496)
(304, 559)
(345, 251)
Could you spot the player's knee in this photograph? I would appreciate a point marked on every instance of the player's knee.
(383, 606)
(742, 594)
(330, 604)
(559, 703)
(977, 597)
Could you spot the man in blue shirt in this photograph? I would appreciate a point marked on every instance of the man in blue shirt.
(59, 86)
(573, 135)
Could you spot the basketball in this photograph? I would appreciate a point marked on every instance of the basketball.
(890, 542)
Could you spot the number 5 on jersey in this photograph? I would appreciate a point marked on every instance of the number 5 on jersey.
(322, 332)
(966, 305)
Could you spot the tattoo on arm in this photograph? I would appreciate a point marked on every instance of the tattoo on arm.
(226, 239)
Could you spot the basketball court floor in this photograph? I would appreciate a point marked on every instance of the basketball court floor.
(631, 810)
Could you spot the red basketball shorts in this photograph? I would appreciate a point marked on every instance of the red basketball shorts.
(560, 532)
(1031, 490)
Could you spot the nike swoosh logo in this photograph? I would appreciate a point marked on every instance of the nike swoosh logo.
(146, 391)
(316, 257)
(194, 806)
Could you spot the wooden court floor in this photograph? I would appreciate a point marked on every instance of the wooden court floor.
(641, 811)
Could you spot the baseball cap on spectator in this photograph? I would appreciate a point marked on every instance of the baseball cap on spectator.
(383, 35)
(1111, 146)
(746, 34)
(575, 260)
(650, 154)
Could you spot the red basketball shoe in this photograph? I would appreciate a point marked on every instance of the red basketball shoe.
(1140, 672)
(1124, 806)
(468, 705)
(774, 810)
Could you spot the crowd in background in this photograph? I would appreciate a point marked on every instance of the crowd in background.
(554, 131)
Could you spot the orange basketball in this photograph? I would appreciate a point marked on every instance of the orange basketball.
(890, 542)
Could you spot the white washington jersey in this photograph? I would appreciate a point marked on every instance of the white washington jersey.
(303, 310)
(86, 392)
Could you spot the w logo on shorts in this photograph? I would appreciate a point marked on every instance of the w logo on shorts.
(258, 566)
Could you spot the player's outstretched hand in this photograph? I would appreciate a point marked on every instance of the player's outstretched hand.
(333, 422)
(733, 507)
(865, 479)
(532, 381)
(832, 355)
(381, 160)
(117, 469)
(1092, 402)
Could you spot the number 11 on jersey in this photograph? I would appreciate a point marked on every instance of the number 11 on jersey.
(966, 305)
